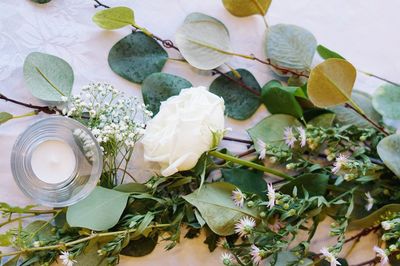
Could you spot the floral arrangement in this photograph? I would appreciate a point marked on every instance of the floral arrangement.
(325, 151)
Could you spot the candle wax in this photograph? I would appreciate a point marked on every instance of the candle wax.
(53, 161)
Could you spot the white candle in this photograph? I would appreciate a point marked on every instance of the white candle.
(53, 161)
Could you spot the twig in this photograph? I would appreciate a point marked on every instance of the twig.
(44, 109)
(368, 262)
(246, 153)
(363, 233)
(99, 4)
(238, 140)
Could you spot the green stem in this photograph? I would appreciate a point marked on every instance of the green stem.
(236, 160)
(261, 10)
(26, 115)
(144, 30)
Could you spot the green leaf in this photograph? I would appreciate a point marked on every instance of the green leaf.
(203, 41)
(346, 116)
(312, 113)
(374, 217)
(246, 180)
(270, 129)
(315, 184)
(41, 1)
(217, 208)
(244, 8)
(131, 188)
(158, 87)
(48, 77)
(12, 262)
(389, 151)
(279, 100)
(240, 104)
(325, 53)
(114, 18)
(286, 258)
(291, 47)
(90, 256)
(4, 117)
(40, 230)
(100, 211)
(386, 101)
(136, 56)
(331, 83)
(140, 247)
(324, 120)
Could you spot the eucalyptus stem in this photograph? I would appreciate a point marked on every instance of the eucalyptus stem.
(236, 160)
(26, 115)
(378, 77)
(44, 109)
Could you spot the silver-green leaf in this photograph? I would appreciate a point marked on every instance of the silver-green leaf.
(389, 151)
(386, 100)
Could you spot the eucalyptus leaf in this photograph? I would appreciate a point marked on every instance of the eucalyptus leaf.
(325, 53)
(346, 116)
(386, 100)
(100, 211)
(140, 247)
(240, 104)
(48, 77)
(291, 47)
(279, 100)
(389, 151)
(203, 41)
(374, 217)
(246, 180)
(136, 56)
(41, 1)
(40, 230)
(324, 120)
(4, 117)
(270, 129)
(312, 113)
(217, 208)
(132, 187)
(12, 261)
(314, 184)
(331, 83)
(286, 258)
(114, 18)
(90, 255)
(244, 8)
(158, 87)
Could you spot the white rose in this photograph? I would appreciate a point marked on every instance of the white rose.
(183, 129)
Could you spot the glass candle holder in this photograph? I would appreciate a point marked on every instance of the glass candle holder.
(56, 161)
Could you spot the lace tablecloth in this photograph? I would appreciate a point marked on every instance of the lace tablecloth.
(365, 32)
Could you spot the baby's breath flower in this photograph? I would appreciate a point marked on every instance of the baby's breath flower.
(370, 201)
(238, 197)
(263, 149)
(341, 161)
(382, 255)
(271, 196)
(386, 225)
(245, 226)
(256, 254)
(303, 137)
(227, 259)
(329, 257)
(67, 258)
(289, 137)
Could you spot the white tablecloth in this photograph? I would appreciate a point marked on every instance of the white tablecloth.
(364, 31)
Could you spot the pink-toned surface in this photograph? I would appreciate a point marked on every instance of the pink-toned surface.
(365, 32)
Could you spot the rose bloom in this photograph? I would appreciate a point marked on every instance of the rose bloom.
(183, 129)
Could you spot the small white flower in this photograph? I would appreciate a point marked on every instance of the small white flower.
(36, 244)
(66, 259)
(329, 257)
(271, 196)
(223, 243)
(226, 258)
(238, 197)
(256, 254)
(382, 255)
(263, 149)
(289, 137)
(386, 225)
(341, 160)
(64, 99)
(303, 137)
(370, 201)
(245, 226)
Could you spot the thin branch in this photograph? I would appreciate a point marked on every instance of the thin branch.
(99, 4)
(44, 109)
(368, 262)
(373, 123)
(238, 140)
(246, 153)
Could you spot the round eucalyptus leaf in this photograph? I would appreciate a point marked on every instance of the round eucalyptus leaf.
(346, 116)
(41, 1)
(158, 87)
(389, 151)
(326, 53)
(386, 100)
(244, 8)
(331, 83)
(136, 56)
(290, 47)
(114, 18)
(203, 41)
(323, 120)
(240, 104)
(48, 77)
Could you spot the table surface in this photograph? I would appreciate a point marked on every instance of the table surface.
(364, 31)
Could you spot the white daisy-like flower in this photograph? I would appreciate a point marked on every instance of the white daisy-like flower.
(289, 137)
(223, 243)
(271, 196)
(256, 254)
(303, 137)
(238, 197)
(226, 258)
(382, 255)
(341, 160)
(67, 259)
(245, 226)
(329, 257)
(263, 149)
(370, 201)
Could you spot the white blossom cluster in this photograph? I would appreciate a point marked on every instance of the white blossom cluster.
(110, 115)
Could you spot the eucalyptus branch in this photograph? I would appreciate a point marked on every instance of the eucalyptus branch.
(238, 140)
(37, 108)
(363, 233)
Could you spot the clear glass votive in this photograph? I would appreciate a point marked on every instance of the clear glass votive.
(56, 161)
